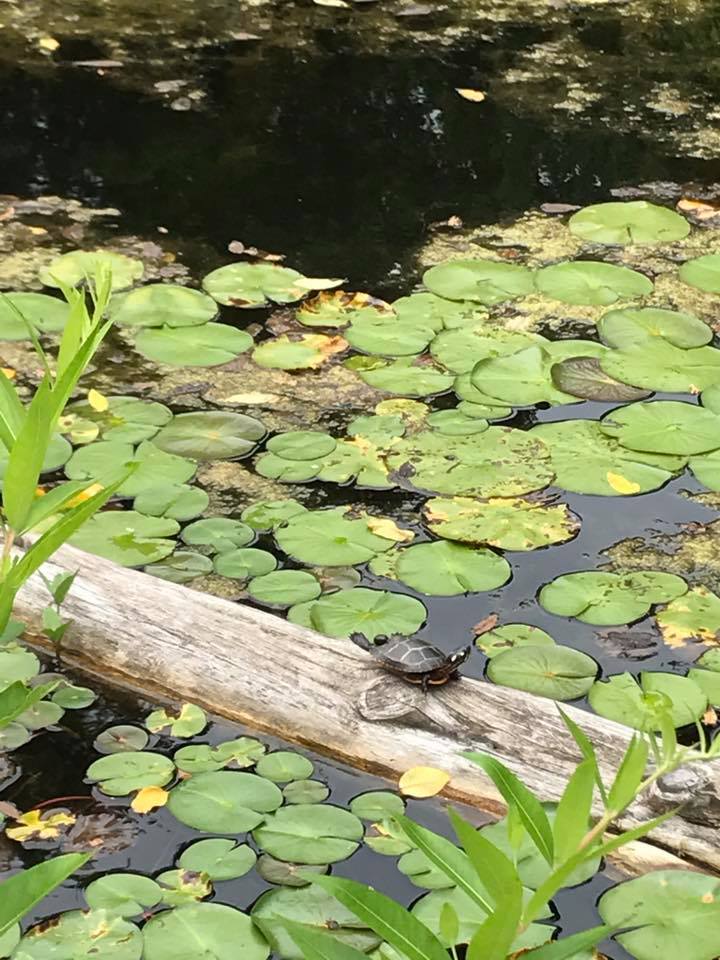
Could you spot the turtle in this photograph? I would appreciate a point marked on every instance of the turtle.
(414, 659)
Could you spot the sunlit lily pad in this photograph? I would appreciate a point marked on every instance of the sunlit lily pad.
(244, 563)
(427, 309)
(188, 721)
(592, 283)
(421, 872)
(179, 501)
(466, 391)
(628, 329)
(661, 366)
(384, 335)
(238, 754)
(125, 419)
(549, 671)
(336, 308)
(461, 348)
(283, 588)
(72, 268)
(482, 281)
(664, 426)
(636, 221)
(127, 537)
(608, 599)
(706, 468)
(511, 524)
(156, 467)
(453, 423)
(691, 618)
(585, 378)
(82, 934)
(48, 314)
(702, 273)
(119, 774)
(405, 378)
(253, 284)
(377, 805)
(286, 874)
(211, 435)
(298, 351)
(162, 304)
(302, 445)
(282, 766)
(209, 929)
(641, 706)
(373, 613)
(183, 887)
(287, 471)
(123, 894)
(329, 537)
(220, 534)
(207, 345)
(444, 569)
(224, 801)
(511, 636)
(377, 428)
(219, 858)
(268, 514)
(310, 833)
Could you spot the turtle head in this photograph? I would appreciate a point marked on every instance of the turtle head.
(361, 640)
(459, 656)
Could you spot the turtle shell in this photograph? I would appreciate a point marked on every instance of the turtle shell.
(410, 655)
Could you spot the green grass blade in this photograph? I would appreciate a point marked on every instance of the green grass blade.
(572, 818)
(316, 945)
(587, 750)
(24, 890)
(571, 946)
(12, 412)
(630, 775)
(17, 698)
(497, 872)
(26, 459)
(54, 500)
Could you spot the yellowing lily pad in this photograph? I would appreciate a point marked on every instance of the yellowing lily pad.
(691, 618)
(298, 351)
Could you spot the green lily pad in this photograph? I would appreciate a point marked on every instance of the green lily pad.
(710, 399)
(453, 423)
(421, 872)
(706, 469)
(609, 599)
(220, 534)
(330, 538)
(181, 887)
(585, 378)
(211, 435)
(460, 349)
(126, 419)
(307, 791)
(628, 329)
(592, 283)
(178, 501)
(41, 715)
(664, 426)
(622, 699)
(692, 617)
(385, 335)
(661, 366)
(203, 929)
(587, 460)
(313, 833)
(297, 351)
(121, 738)
(444, 569)
(377, 805)
(162, 304)
(554, 671)
(206, 345)
(73, 268)
(219, 858)
(12, 736)
(287, 471)
(127, 537)
(525, 377)
(283, 588)
(155, 466)
(703, 273)
(9, 940)
(17, 664)
(482, 281)
(282, 766)
(245, 563)
(404, 378)
(189, 721)
(123, 894)
(287, 874)
(119, 774)
(626, 223)
(240, 753)
(373, 613)
(710, 660)
(224, 801)
(377, 428)
(709, 683)
(47, 314)
(268, 514)
(80, 934)
(302, 445)
(675, 913)
(72, 697)
(427, 309)
(507, 523)
(358, 460)
(251, 285)
(314, 908)
(466, 391)
(511, 636)
(333, 579)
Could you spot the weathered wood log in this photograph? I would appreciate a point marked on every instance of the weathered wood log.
(172, 643)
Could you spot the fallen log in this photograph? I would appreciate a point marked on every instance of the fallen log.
(171, 643)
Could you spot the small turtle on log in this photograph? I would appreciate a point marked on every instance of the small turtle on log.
(413, 659)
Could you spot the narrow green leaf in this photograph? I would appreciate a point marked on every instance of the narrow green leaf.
(12, 413)
(319, 946)
(24, 890)
(586, 749)
(26, 459)
(572, 818)
(60, 586)
(517, 795)
(75, 368)
(447, 857)
(669, 735)
(388, 919)
(449, 924)
(630, 774)
(568, 947)
(32, 333)
(495, 936)
(496, 871)
(53, 501)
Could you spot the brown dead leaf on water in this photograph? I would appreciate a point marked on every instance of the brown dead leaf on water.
(710, 717)
(485, 625)
(240, 249)
(384, 527)
(698, 209)
(468, 93)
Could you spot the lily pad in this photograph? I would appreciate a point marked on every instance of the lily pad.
(377, 428)
(444, 569)
(507, 523)
(282, 766)
(421, 872)
(691, 618)
(523, 378)
(211, 435)
(219, 858)
(460, 349)
(702, 273)
(675, 913)
(628, 329)
(470, 394)
(585, 378)
(302, 445)
(240, 753)
(251, 285)
(119, 774)
(336, 308)
(664, 426)
(482, 281)
(224, 801)
(82, 934)
(310, 833)
(245, 563)
(121, 738)
(47, 314)
(127, 537)
(283, 588)
(592, 283)
(453, 423)
(206, 345)
(209, 929)
(182, 887)
(549, 671)
(661, 366)
(511, 636)
(373, 613)
(155, 466)
(268, 514)
(17, 664)
(706, 469)
(609, 599)
(59, 451)
(162, 304)
(622, 699)
(304, 351)
(287, 471)
(386, 336)
(73, 268)
(404, 378)
(636, 221)
(311, 791)
(377, 805)
(220, 534)
(330, 538)
(427, 309)
(286, 874)
(189, 721)
(178, 501)
(123, 894)
(126, 419)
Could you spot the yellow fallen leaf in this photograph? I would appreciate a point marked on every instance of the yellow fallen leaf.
(698, 208)
(621, 484)
(149, 798)
(97, 401)
(33, 824)
(48, 43)
(384, 527)
(423, 782)
(251, 398)
(318, 283)
(8, 372)
(467, 93)
(331, 3)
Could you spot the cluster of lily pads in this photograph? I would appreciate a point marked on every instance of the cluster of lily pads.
(268, 815)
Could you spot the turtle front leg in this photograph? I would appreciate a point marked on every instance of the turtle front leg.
(424, 684)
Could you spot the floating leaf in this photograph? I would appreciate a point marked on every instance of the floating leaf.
(221, 534)
(181, 887)
(585, 378)
(421, 782)
(70, 697)
(548, 671)
(384, 527)
(305, 791)
(373, 613)
(189, 721)
(377, 805)
(298, 351)
(302, 445)
(58, 453)
(405, 378)
(47, 314)
(73, 268)
(664, 426)
(706, 469)
(155, 467)
(127, 537)
(592, 283)
(41, 825)
(310, 833)
(702, 273)
(125, 419)
(211, 435)
(421, 872)
(202, 758)
(474, 96)
(643, 705)
(224, 801)
(160, 305)
(454, 423)
(245, 563)
(268, 514)
(508, 523)
(385, 335)
(207, 345)
(628, 329)
(16, 663)
(121, 739)
(426, 309)
(123, 894)
(607, 599)
(121, 773)
(694, 617)
(283, 588)
(661, 366)
(287, 874)
(212, 929)
(177, 501)
(483, 281)
(330, 538)
(79, 933)
(219, 858)
(149, 798)
(336, 308)
(460, 349)
(511, 636)
(631, 222)
(281, 766)
(444, 569)
(525, 377)
(253, 284)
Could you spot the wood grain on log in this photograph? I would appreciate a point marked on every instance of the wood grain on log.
(173, 643)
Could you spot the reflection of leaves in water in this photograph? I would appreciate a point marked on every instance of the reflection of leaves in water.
(106, 832)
